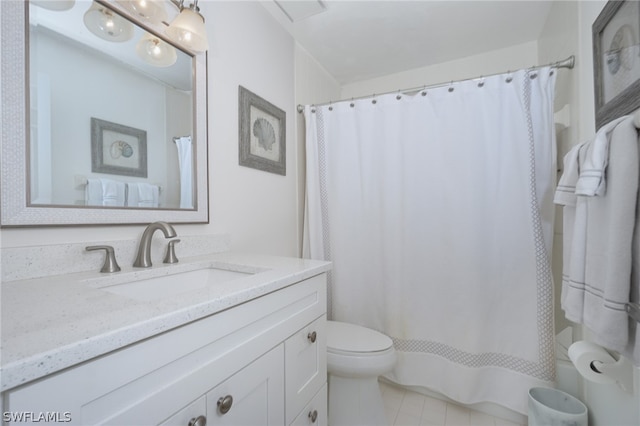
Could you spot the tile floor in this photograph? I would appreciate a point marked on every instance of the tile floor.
(407, 408)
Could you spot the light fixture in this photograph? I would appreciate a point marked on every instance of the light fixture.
(188, 27)
(155, 51)
(57, 5)
(106, 24)
(147, 10)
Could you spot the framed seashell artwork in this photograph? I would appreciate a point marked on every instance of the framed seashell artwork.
(261, 134)
(117, 149)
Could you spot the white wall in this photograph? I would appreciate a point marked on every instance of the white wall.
(258, 209)
(313, 85)
(497, 61)
(249, 48)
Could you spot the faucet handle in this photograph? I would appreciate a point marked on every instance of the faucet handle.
(110, 263)
(170, 257)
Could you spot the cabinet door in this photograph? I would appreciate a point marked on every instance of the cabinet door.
(252, 396)
(191, 412)
(315, 412)
(305, 365)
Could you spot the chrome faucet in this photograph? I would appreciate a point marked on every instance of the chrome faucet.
(143, 259)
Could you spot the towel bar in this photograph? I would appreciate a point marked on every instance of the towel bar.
(80, 181)
(633, 309)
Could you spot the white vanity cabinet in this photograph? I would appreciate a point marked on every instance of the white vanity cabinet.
(262, 362)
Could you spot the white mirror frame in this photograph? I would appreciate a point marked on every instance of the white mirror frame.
(15, 124)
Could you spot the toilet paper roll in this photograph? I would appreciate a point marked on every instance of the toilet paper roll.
(583, 354)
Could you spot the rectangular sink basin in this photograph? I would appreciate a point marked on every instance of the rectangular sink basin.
(167, 286)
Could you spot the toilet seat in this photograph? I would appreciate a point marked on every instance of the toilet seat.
(345, 338)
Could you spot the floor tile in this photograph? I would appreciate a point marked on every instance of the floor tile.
(408, 408)
(457, 416)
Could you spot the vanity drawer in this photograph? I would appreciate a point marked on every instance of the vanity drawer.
(192, 411)
(315, 413)
(305, 365)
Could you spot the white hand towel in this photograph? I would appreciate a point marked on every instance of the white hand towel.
(143, 195)
(598, 238)
(132, 195)
(93, 192)
(148, 195)
(592, 168)
(565, 194)
(113, 192)
(632, 351)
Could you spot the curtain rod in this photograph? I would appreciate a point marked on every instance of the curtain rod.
(566, 63)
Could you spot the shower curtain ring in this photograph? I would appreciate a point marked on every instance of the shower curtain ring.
(424, 90)
(373, 101)
(352, 104)
(330, 105)
(481, 82)
(509, 77)
(398, 96)
(451, 86)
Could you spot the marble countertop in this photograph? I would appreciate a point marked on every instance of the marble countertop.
(52, 323)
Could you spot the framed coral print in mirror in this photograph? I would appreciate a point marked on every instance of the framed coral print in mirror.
(616, 60)
(262, 133)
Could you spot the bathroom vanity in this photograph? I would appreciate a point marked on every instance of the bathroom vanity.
(225, 338)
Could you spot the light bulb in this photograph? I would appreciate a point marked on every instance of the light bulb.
(188, 29)
(148, 10)
(107, 25)
(156, 52)
(58, 5)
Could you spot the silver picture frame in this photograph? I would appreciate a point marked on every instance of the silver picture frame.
(117, 149)
(616, 60)
(262, 125)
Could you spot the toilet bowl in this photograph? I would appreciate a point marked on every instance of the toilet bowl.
(356, 356)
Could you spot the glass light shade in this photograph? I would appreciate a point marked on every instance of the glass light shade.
(147, 10)
(188, 30)
(58, 5)
(106, 24)
(156, 52)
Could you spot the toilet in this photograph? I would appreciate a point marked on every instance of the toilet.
(356, 356)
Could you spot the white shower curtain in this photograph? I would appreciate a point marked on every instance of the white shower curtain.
(436, 211)
(185, 163)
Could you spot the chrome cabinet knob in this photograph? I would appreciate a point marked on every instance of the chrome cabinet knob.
(312, 337)
(225, 403)
(198, 421)
(313, 415)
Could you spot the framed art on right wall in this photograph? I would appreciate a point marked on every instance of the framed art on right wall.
(616, 60)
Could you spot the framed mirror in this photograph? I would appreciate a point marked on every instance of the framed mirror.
(104, 118)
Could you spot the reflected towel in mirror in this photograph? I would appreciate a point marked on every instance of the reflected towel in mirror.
(104, 192)
(142, 195)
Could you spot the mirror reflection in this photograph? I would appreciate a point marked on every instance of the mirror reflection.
(111, 111)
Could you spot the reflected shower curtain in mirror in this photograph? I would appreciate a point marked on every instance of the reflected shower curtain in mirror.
(185, 163)
(436, 212)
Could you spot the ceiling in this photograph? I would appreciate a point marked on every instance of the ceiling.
(358, 40)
